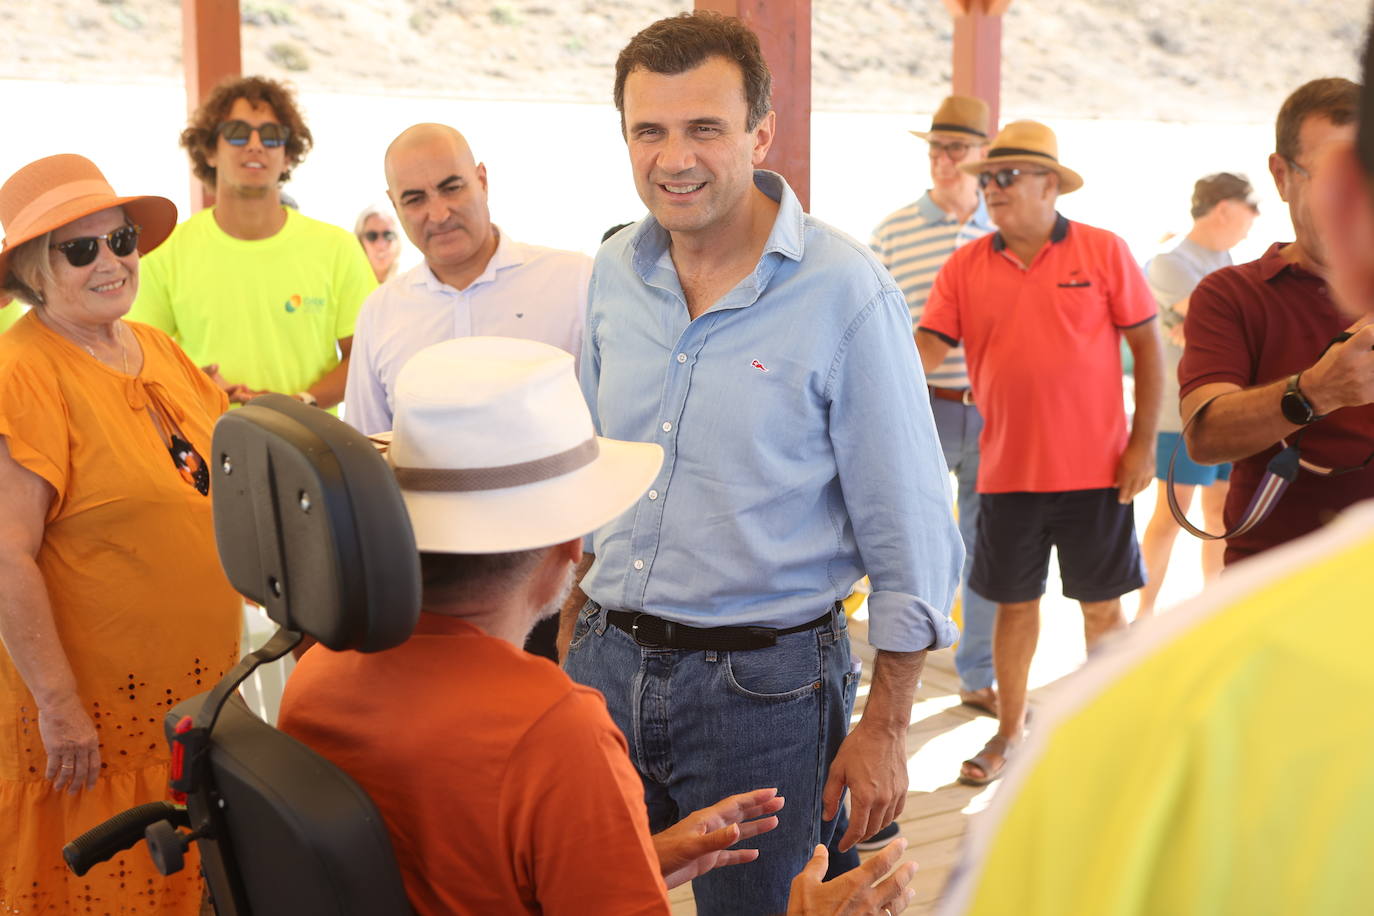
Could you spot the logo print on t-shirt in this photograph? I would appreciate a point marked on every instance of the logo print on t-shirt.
(293, 303)
(759, 366)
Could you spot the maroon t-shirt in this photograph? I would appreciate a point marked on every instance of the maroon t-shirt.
(1256, 323)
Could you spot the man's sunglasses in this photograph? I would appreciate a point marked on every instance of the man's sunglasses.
(82, 251)
(1005, 178)
(372, 235)
(237, 133)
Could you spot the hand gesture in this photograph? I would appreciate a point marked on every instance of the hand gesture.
(701, 840)
(854, 893)
(72, 745)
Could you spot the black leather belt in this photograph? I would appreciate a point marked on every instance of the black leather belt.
(656, 633)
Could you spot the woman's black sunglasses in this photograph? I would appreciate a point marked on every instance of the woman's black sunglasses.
(237, 133)
(372, 235)
(82, 251)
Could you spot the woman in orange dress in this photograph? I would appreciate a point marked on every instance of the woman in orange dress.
(113, 606)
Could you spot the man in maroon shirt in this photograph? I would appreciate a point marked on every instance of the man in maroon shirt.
(1258, 337)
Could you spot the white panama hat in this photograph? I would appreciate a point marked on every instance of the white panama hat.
(494, 449)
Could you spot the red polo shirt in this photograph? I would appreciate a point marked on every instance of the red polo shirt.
(1044, 353)
(1253, 324)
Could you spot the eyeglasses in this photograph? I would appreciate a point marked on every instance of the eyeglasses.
(955, 150)
(237, 133)
(372, 235)
(1297, 168)
(82, 251)
(1005, 178)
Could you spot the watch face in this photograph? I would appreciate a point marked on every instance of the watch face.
(1295, 408)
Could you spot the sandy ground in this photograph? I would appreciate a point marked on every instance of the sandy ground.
(1230, 60)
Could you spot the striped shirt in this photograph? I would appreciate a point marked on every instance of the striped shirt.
(913, 245)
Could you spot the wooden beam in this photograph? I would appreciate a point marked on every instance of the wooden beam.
(784, 30)
(211, 50)
(978, 51)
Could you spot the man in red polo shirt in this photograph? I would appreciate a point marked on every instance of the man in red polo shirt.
(1040, 307)
(1258, 337)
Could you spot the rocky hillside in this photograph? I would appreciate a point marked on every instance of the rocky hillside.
(1150, 59)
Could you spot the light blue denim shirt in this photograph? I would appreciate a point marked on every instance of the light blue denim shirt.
(799, 450)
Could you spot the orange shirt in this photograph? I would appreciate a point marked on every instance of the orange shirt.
(144, 613)
(1044, 354)
(505, 787)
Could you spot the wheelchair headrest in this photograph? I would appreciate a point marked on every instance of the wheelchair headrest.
(310, 524)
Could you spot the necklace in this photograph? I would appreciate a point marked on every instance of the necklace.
(123, 350)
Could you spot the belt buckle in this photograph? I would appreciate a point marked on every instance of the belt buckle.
(967, 397)
(639, 640)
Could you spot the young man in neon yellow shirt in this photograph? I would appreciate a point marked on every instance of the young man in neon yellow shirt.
(262, 297)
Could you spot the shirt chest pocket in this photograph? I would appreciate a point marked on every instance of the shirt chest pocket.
(1079, 305)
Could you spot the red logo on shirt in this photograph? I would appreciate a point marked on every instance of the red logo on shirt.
(759, 366)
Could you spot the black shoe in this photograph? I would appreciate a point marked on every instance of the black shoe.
(879, 839)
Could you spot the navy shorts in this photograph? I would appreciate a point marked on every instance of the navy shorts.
(1099, 558)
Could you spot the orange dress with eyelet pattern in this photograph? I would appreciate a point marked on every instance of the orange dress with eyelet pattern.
(143, 611)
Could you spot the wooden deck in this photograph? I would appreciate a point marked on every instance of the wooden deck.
(943, 732)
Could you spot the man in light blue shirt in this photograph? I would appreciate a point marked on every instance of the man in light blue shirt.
(914, 243)
(771, 357)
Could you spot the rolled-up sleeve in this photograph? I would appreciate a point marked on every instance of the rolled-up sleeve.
(894, 480)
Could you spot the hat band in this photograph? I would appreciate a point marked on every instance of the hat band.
(499, 477)
(946, 127)
(63, 193)
(1003, 152)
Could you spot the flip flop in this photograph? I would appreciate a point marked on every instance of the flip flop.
(983, 761)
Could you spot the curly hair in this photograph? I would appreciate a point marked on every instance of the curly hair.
(683, 42)
(199, 137)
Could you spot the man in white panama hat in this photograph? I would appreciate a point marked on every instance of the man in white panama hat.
(506, 787)
(1040, 307)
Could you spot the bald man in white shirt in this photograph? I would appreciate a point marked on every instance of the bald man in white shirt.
(475, 279)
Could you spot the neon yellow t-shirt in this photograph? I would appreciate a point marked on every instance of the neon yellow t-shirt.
(270, 312)
(9, 315)
(1220, 760)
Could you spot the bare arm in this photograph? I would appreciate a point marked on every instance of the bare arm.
(329, 390)
(1244, 421)
(30, 634)
(933, 349)
(567, 617)
(1136, 468)
(871, 762)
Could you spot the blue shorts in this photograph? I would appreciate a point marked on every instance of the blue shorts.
(1186, 471)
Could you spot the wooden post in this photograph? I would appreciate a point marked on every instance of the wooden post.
(210, 51)
(784, 30)
(978, 51)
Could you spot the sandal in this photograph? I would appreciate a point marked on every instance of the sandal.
(997, 745)
(977, 701)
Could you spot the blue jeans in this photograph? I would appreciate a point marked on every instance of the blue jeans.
(959, 426)
(703, 725)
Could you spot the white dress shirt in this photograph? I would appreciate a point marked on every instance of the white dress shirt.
(526, 291)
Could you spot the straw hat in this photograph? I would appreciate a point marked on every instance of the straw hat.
(495, 451)
(959, 116)
(55, 191)
(1026, 141)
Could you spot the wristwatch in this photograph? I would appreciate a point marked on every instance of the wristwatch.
(1295, 406)
(309, 400)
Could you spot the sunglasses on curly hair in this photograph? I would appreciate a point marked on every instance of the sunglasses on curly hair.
(82, 251)
(237, 133)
